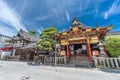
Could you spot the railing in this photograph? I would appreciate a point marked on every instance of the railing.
(42, 58)
(11, 58)
(102, 62)
(51, 60)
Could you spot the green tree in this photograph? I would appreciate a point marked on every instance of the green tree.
(113, 46)
(32, 32)
(46, 40)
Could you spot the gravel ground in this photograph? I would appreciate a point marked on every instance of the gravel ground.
(11, 70)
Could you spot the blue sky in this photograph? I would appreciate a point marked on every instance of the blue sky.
(40, 14)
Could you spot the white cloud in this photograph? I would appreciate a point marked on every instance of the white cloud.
(114, 9)
(49, 14)
(7, 31)
(10, 17)
(67, 16)
(44, 17)
(40, 29)
(23, 7)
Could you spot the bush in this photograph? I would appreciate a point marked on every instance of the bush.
(113, 46)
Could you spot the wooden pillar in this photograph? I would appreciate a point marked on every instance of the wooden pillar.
(89, 50)
(68, 52)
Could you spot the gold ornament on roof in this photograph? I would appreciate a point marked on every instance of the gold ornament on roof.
(88, 29)
(64, 33)
(75, 29)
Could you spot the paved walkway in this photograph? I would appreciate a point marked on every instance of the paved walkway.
(10, 70)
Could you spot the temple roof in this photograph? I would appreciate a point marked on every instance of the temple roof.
(76, 23)
(77, 26)
(24, 35)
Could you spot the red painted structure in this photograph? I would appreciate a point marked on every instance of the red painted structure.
(80, 35)
(6, 48)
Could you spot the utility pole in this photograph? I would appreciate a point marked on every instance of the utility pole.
(55, 49)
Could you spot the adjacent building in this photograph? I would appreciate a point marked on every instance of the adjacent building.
(23, 43)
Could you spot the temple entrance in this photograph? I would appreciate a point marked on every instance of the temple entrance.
(78, 49)
(79, 55)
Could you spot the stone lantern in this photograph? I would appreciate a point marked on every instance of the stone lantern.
(101, 47)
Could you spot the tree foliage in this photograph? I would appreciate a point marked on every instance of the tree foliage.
(32, 32)
(46, 41)
(113, 46)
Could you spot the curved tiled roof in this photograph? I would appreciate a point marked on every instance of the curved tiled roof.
(24, 35)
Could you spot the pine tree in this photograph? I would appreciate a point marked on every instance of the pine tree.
(46, 40)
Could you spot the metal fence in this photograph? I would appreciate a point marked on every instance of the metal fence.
(103, 62)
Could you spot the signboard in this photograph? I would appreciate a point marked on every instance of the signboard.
(77, 41)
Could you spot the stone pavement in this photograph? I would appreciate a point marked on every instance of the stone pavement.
(11, 70)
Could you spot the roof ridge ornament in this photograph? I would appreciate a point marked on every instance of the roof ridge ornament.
(76, 23)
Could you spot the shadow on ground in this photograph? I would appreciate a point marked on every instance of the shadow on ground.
(34, 64)
(111, 71)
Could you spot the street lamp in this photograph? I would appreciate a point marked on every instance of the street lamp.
(102, 52)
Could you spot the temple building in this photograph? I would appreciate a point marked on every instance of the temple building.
(80, 40)
(23, 44)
